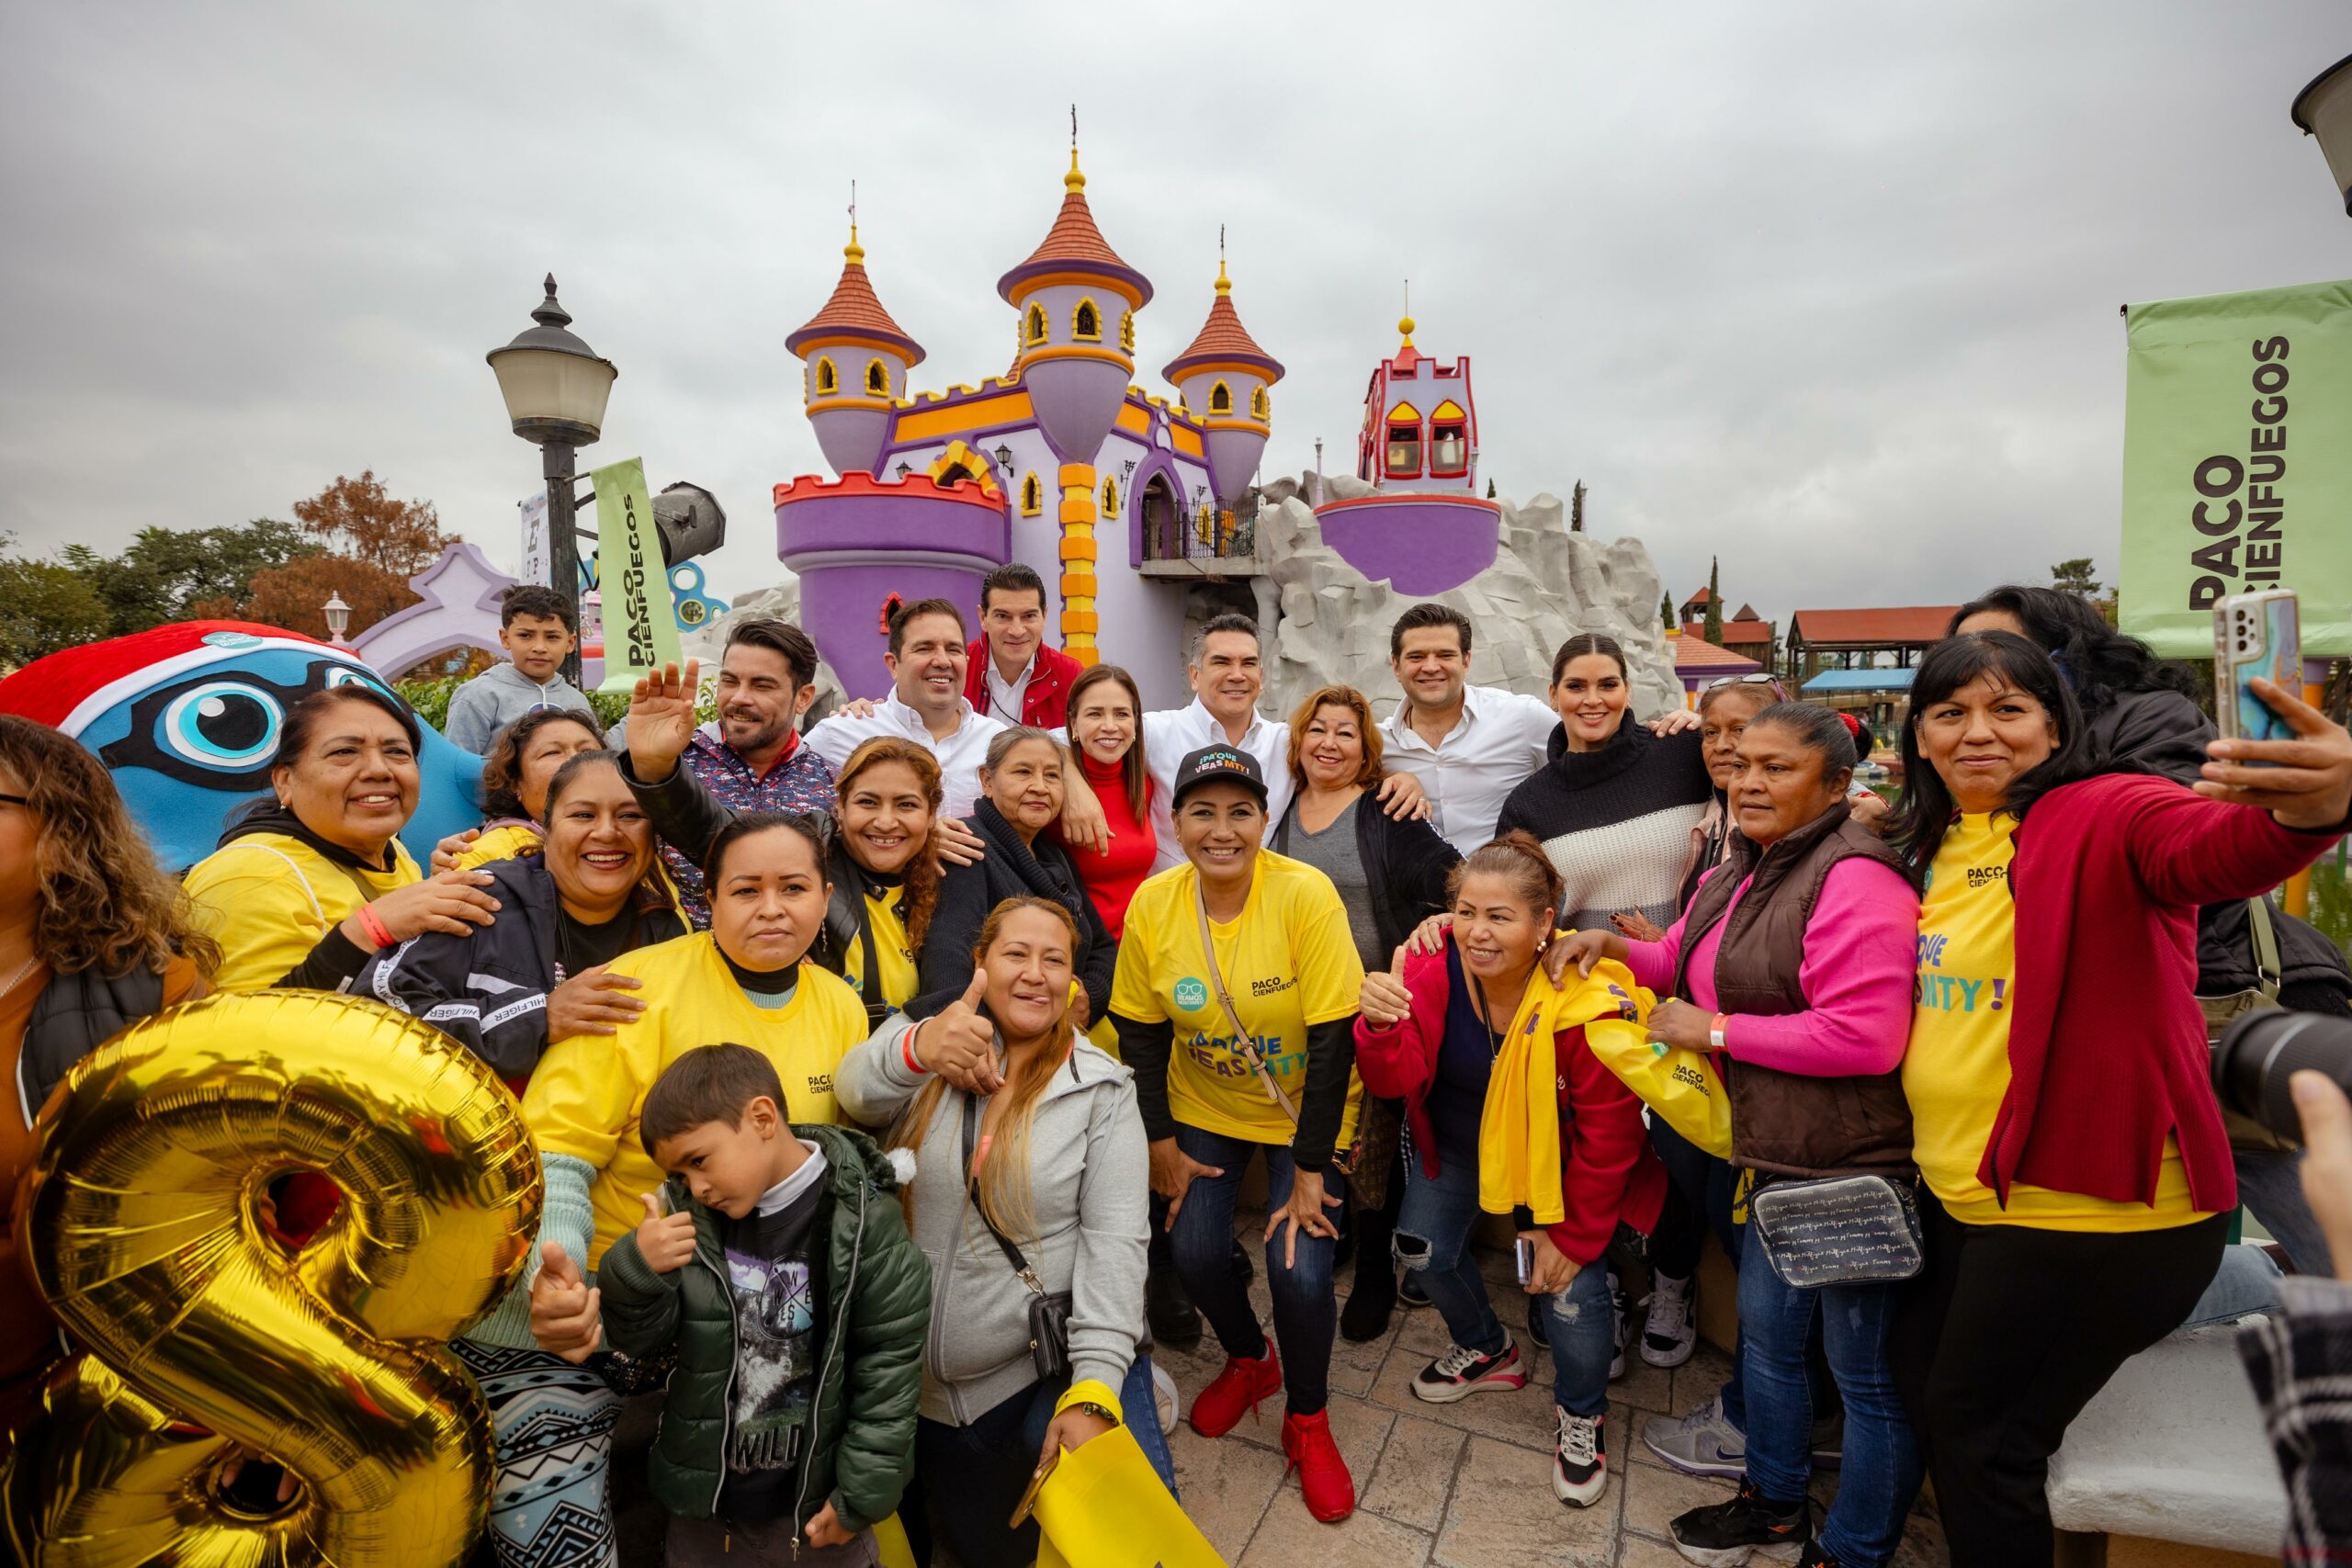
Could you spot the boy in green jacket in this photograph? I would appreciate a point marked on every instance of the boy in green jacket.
(796, 1304)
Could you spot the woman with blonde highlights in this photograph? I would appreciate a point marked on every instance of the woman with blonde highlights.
(1030, 1141)
(93, 937)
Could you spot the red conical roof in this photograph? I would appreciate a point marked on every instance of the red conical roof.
(856, 311)
(1075, 244)
(1224, 340)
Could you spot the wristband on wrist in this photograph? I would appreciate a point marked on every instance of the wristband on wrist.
(907, 1050)
(373, 924)
(1716, 1028)
(1100, 1413)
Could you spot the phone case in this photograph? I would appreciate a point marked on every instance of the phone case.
(2254, 635)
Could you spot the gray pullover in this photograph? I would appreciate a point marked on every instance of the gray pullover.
(500, 695)
(1089, 1182)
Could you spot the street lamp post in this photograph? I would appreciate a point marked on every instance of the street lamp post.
(338, 615)
(2323, 109)
(555, 388)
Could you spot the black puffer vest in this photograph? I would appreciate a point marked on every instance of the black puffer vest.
(1791, 1123)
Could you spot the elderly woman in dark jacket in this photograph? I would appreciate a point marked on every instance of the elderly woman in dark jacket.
(1391, 875)
(1022, 790)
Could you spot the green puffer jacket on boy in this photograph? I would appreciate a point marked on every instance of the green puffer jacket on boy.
(873, 1292)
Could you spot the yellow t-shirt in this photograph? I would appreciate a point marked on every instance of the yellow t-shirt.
(588, 1092)
(900, 979)
(1956, 1071)
(501, 844)
(269, 899)
(1289, 964)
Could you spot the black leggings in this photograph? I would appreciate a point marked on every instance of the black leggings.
(2003, 1338)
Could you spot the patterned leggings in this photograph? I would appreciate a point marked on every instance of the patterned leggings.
(550, 1506)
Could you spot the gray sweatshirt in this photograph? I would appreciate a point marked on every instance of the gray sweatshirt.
(1089, 1182)
(500, 695)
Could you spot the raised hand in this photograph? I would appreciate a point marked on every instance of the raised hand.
(2308, 782)
(666, 1241)
(565, 1318)
(662, 720)
(591, 1002)
(959, 1044)
(1387, 1001)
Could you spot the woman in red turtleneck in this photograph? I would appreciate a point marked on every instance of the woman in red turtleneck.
(1106, 737)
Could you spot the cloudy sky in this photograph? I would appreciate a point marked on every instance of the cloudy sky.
(1829, 291)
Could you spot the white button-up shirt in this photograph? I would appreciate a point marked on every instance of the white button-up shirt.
(1005, 697)
(1175, 734)
(1495, 744)
(959, 756)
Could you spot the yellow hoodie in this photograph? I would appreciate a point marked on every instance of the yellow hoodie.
(269, 899)
(586, 1097)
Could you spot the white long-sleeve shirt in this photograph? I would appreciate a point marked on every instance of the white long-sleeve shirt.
(959, 756)
(1491, 749)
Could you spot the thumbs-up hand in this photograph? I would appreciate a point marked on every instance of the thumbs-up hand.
(665, 1241)
(959, 1044)
(1387, 999)
(564, 1315)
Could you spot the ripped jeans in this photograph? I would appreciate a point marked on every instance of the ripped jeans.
(1433, 1240)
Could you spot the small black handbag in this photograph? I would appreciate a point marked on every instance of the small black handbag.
(1048, 1310)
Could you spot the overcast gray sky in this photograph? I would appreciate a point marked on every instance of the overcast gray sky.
(1828, 289)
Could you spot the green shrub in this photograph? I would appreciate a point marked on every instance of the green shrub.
(431, 701)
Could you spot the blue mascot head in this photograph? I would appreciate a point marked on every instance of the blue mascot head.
(188, 715)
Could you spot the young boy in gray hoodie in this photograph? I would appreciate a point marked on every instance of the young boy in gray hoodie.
(538, 628)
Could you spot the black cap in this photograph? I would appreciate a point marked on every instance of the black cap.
(1219, 764)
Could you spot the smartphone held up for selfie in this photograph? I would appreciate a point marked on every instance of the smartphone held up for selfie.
(2256, 636)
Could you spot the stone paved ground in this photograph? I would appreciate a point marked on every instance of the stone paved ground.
(1465, 1485)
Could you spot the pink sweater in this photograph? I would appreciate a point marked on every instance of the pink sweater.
(1860, 951)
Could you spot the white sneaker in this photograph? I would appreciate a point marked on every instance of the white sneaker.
(1579, 1459)
(1164, 1399)
(1699, 1443)
(1620, 1318)
(1671, 1333)
(1459, 1373)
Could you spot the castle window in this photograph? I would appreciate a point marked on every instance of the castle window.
(1404, 443)
(1449, 441)
(1127, 331)
(1261, 406)
(891, 608)
(1086, 322)
(1032, 497)
(877, 378)
(1220, 399)
(828, 380)
(1110, 497)
(1036, 325)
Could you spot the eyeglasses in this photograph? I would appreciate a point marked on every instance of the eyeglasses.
(1758, 679)
(14, 800)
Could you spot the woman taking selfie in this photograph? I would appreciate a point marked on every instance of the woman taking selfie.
(514, 773)
(2077, 1176)
(1237, 982)
(1435, 1032)
(880, 859)
(1022, 790)
(1797, 955)
(1027, 1143)
(1391, 875)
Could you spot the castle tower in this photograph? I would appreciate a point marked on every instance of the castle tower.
(1224, 376)
(1077, 302)
(856, 361)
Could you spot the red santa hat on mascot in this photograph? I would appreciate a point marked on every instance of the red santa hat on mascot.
(67, 689)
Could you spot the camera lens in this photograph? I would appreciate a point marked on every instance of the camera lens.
(2260, 1051)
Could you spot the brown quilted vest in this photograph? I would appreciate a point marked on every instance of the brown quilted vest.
(1790, 1124)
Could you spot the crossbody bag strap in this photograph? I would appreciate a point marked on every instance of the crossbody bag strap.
(2266, 968)
(1242, 1040)
(1013, 1254)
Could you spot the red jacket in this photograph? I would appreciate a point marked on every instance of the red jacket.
(2107, 1043)
(1045, 702)
(1607, 1171)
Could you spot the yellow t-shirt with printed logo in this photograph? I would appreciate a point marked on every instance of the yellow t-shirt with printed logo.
(1288, 962)
(1956, 1070)
(894, 953)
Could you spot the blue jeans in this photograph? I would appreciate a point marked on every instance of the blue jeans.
(2270, 1185)
(1306, 1313)
(1433, 1241)
(979, 1471)
(1882, 1466)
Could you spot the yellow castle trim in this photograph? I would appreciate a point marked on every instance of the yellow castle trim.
(1010, 408)
(1187, 440)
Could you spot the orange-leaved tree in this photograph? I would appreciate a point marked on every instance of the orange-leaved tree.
(372, 546)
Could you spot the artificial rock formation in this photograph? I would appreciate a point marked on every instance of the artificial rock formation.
(1546, 585)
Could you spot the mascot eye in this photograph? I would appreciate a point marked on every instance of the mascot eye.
(338, 675)
(222, 724)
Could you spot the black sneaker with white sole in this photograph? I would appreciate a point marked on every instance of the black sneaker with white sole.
(1750, 1525)
(1459, 1373)
(1579, 1459)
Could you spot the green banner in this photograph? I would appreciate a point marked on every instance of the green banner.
(640, 629)
(2237, 463)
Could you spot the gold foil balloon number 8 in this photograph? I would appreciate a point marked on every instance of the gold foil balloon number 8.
(202, 1331)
